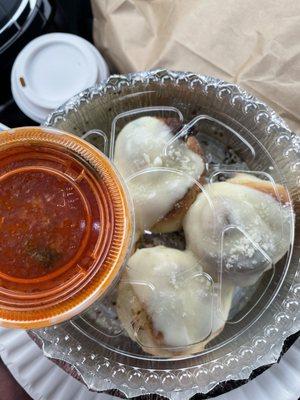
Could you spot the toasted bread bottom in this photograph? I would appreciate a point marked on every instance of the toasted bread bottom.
(277, 191)
(172, 221)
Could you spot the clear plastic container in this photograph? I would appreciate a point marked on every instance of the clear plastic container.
(65, 226)
(211, 288)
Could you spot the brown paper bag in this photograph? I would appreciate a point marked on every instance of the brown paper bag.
(255, 43)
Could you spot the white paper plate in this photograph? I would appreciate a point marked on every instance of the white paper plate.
(40, 377)
(3, 127)
(44, 380)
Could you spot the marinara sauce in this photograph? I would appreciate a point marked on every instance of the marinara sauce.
(65, 226)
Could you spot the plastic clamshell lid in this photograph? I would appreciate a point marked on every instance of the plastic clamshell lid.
(173, 324)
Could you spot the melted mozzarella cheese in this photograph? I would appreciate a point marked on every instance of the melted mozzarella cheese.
(244, 228)
(156, 180)
(182, 302)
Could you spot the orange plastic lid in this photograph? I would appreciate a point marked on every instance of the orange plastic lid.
(65, 226)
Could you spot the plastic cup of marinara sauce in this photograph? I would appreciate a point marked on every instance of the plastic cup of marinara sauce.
(65, 226)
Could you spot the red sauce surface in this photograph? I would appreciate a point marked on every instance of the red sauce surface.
(42, 223)
(50, 216)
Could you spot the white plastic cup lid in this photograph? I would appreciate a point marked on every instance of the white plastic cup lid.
(51, 69)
